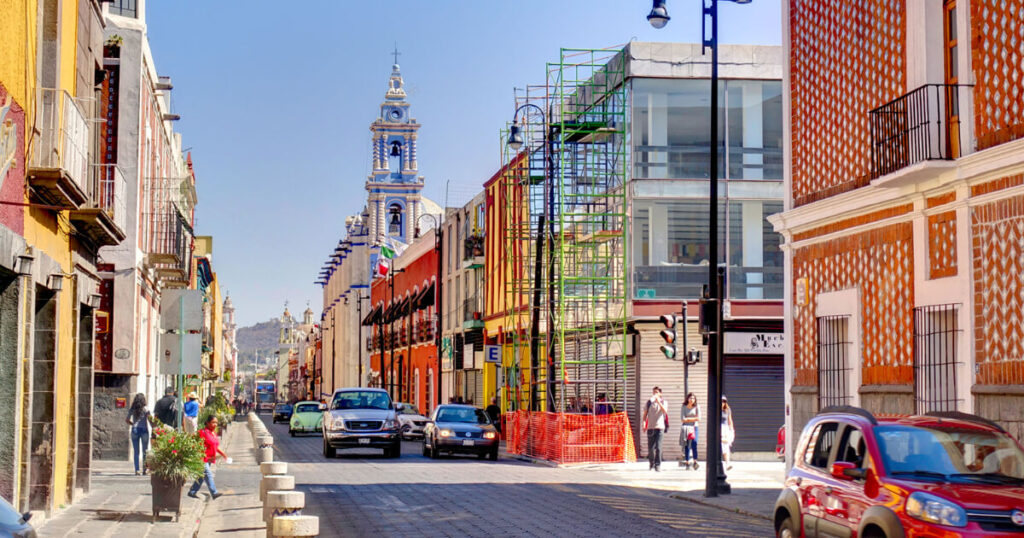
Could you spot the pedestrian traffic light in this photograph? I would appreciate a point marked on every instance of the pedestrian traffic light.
(692, 356)
(669, 335)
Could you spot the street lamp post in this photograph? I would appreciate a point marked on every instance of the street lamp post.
(515, 142)
(715, 479)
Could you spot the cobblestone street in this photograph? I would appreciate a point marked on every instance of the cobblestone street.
(363, 494)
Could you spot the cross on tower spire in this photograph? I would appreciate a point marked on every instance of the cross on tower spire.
(396, 54)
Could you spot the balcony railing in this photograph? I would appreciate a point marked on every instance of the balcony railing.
(108, 192)
(922, 125)
(59, 165)
(472, 313)
(170, 246)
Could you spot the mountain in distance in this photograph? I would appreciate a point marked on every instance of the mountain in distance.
(259, 339)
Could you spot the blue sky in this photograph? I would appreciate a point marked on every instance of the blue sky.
(276, 99)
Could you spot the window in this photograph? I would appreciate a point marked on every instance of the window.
(935, 360)
(819, 446)
(670, 248)
(833, 361)
(124, 8)
(852, 448)
(671, 128)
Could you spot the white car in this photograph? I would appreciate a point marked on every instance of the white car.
(410, 421)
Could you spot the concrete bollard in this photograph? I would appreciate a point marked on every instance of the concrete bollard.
(273, 467)
(282, 503)
(265, 454)
(275, 482)
(265, 441)
(296, 526)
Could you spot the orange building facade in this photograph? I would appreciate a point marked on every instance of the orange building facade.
(904, 221)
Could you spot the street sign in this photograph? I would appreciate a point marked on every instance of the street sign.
(492, 354)
(173, 317)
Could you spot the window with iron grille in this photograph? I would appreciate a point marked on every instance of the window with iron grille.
(833, 361)
(125, 8)
(935, 361)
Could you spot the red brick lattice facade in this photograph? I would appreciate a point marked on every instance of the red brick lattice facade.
(881, 264)
(998, 252)
(997, 42)
(942, 245)
(846, 58)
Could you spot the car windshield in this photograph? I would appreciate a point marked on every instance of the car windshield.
(408, 409)
(949, 453)
(462, 414)
(283, 407)
(307, 408)
(360, 399)
(265, 397)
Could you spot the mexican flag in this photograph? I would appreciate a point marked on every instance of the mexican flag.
(382, 268)
(392, 248)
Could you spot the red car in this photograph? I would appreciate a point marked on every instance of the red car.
(936, 475)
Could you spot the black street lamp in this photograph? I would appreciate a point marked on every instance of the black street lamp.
(515, 142)
(715, 479)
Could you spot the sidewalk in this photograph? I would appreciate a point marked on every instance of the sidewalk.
(755, 484)
(120, 503)
(239, 512)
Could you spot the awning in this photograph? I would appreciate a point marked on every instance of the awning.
(373, 317)
(425, 298)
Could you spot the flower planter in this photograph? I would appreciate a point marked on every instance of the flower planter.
(166, 496)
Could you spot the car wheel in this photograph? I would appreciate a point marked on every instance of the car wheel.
(433, 451)
(482, 455)
(426, 451)
(329, 451)
(493, 455)
(291, 432)
(396, 451)
(787, 529)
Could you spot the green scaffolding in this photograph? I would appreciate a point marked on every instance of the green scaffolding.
(581, 216)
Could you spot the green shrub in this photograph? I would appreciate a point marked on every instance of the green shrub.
(176, 455)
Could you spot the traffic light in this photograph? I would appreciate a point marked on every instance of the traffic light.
(692, 356)
(669, 335)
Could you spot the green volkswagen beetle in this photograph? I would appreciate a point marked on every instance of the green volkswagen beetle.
(307, 417)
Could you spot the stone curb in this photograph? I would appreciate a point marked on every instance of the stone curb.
(701, 501)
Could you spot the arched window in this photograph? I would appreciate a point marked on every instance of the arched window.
(395, 159)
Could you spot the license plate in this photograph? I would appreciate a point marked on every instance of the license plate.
(364, 441)
(467, 442)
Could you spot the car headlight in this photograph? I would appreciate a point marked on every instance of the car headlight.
(391, 424)
(445, 433)
(338, 424)
(490, 435)
(933, 509)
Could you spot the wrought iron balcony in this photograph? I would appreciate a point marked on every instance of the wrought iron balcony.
(922, 125)
(103, 218)
(58, 170)
(169, 249)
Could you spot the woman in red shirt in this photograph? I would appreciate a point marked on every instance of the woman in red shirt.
(209, 435)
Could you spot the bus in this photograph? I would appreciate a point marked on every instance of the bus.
(266, 394)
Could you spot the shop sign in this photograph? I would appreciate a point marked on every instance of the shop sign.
(754, 343)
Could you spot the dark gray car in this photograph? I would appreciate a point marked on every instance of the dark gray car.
(460, 429)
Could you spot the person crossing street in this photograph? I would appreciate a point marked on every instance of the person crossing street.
(655, 421)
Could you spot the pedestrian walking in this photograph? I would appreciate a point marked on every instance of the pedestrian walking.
(690, 431)
(139, 419)
(728, 433)
(166, 408)
(494, 412)
(191, 410)
(655, 422)
(212, 443)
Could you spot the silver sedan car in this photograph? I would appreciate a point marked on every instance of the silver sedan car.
(460, 429)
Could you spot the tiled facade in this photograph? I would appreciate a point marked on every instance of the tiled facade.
(894, 251)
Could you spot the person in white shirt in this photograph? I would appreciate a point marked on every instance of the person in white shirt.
(656, 425)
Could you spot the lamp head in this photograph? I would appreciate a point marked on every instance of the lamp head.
(658, 17)
(515, 138)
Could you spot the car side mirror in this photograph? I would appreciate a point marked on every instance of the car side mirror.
(844, 470)
(26, 516)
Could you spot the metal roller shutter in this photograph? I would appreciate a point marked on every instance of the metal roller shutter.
(756, 391)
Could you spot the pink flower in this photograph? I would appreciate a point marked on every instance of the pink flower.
(174, 452)
(172, 439)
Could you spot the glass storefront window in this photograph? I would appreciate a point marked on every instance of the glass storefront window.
(671, 129)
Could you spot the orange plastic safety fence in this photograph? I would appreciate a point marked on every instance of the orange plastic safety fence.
(570, 438)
